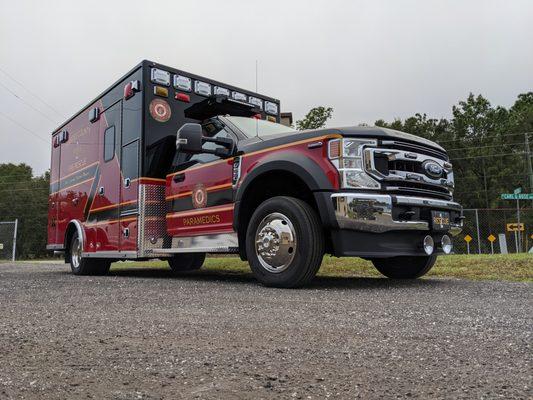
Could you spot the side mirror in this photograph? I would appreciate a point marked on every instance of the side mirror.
(189, 138)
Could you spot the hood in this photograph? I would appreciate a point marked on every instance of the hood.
(253, 144)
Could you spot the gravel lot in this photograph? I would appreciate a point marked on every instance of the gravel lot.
(148, 335)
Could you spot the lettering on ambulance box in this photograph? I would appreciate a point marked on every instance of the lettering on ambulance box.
(202, 220)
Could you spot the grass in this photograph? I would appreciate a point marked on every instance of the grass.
(511, 267)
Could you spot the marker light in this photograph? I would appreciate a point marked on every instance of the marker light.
(257, 116)
(160, 91)
(256, 102)
(183, 97)
(161, 77)
(238, 96)
(221, 90)
(128, 91)
(202, 88)
(270, 118)
(183, 83)
(271, 108)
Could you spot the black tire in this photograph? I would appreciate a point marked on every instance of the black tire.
(83, 265)
(303, 261)
(186, 262)
(404, 267)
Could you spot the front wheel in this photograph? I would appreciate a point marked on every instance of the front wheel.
(404, 267)
(83, 265)
(284, 242)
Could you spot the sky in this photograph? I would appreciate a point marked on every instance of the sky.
(366, 59)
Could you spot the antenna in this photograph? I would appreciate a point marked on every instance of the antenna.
(256, 89)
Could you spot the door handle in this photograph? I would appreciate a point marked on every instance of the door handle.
(101, 191)
(127, 182)
(179, 177)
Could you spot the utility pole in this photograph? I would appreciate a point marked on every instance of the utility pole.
(528, 161)
(15, 239)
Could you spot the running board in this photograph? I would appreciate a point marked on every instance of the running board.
(220, 243)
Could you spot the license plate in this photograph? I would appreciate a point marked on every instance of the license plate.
(440, 220)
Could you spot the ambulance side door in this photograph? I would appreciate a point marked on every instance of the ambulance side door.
(200, 199)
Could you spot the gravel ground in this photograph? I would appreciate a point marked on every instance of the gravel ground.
(147, 335)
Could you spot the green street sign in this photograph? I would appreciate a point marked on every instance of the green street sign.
(517, 196)
(518, 190)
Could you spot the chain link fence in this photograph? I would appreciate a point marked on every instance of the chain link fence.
(8, 239)
(495, 231)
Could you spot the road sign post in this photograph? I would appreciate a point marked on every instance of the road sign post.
(492, 238)
(468, 239)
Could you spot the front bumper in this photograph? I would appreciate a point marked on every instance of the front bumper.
(378, 213)
(378, 225)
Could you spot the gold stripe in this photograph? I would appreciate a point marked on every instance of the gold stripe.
(149, 179)
(112, 206)
(71, 186)
(281, 146)
(209, 210)
(208, 189)
(75, 172)
(110, 221)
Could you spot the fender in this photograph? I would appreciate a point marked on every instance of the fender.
(294, 162)
(81, 233)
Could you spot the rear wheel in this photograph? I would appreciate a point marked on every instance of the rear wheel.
(83, 265)
(186, 262)
(404, 267)
(284, 242)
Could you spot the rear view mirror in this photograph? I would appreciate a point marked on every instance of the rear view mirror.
(189, 138)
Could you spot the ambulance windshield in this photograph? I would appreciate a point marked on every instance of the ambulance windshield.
(252, 127)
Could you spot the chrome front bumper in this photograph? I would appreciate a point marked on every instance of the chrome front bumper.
(374, 212)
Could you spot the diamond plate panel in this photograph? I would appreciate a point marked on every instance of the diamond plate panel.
(152, 227)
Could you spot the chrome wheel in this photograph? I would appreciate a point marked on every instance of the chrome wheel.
(275, 242)
(75, 253)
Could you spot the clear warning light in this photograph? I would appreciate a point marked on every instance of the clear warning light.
(183, 83)
(202, 88)
(271, 108)
(160, 76)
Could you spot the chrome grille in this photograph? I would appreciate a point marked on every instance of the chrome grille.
(405, 168)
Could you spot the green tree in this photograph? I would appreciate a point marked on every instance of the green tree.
(316, 118)
(25, 197)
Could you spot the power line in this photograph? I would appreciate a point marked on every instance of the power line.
(33, 94)
(465, 139)
(489, 155)
(25, 102)
(23, 127)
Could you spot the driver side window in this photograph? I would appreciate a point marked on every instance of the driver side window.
(210, 129)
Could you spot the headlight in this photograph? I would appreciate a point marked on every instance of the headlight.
(347, 156)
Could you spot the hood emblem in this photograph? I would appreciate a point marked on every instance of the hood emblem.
(432, 169)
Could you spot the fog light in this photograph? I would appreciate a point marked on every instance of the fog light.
(446, 244)
(429, 245)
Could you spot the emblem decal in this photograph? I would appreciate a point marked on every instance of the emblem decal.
(199, 196)
(160, 110)
(432, 169)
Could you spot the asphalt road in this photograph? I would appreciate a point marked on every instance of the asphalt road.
(148, 335)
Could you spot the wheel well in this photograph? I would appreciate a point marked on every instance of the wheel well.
(267, 185)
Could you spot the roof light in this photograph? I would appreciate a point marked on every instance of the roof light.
(271, 108)
(183, 83)
(202, 88)
(221, 90)
(160, 91)
(238, 96)
(161, 77)
(183, 97)
(256, 102)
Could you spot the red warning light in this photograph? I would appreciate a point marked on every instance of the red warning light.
(183, 97)
(257, 116)
(128, 91)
